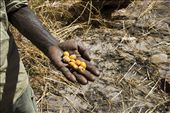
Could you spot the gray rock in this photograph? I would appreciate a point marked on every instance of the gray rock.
(159, 58)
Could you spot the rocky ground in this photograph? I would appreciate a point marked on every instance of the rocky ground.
(132, 51)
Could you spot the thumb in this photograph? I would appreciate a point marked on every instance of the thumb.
(68, 45)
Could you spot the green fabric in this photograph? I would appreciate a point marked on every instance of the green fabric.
(9, 6)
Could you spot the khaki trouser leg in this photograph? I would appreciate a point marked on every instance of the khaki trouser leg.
(26, 103)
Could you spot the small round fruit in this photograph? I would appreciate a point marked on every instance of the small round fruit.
(72, 64)
(66, 53)
(73, 56)
(81, 69)
(72, 60)
(78, 62)
(66, 59)
(83, 64)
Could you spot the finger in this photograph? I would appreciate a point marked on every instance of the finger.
(90, 67)
(68, 45)
(66, 72)
(81, 79)
(89, 76)
(84, 52)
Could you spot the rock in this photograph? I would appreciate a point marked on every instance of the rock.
(142, 46)
(159, 58)
(168, 49)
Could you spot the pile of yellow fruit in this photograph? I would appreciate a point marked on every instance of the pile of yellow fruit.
(74, 62)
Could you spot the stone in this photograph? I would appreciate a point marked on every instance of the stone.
(159, 58)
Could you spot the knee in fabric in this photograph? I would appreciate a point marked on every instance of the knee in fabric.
(26, 103)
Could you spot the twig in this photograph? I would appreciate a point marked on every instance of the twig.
(80, 14)
(71, 104)
(164, 102)
(116, 95)
(89, 20)
(152, 89)
(127, 72)
(147, 9)
(44, 94)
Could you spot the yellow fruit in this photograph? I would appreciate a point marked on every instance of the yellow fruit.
(73, 56)
(66, 59)
(81, 69)
(66, 53)
(78, 62)
(83, 64)
(72, 60)
(72, 64)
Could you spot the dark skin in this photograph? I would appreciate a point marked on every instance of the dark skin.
(29, 25)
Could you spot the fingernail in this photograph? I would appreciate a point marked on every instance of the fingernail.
(93, 78)
(73, 79)
(97, 72)
(84, 82)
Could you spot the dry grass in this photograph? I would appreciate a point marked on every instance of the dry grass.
(136, 94)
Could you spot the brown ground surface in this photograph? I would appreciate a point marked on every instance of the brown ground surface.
(132, 51)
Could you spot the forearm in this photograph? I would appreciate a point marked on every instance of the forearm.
(29, 25)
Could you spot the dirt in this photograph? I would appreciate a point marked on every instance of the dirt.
(124, 50)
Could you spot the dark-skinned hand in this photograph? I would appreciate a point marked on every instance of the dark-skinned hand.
(56, 53)
(29, 25)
